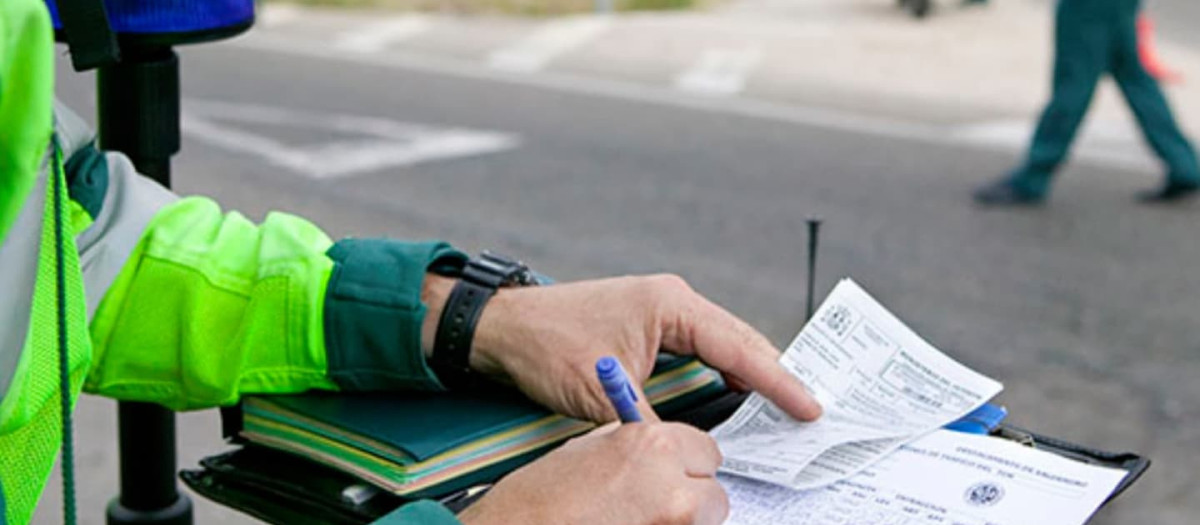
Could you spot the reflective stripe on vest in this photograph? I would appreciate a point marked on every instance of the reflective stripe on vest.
(30, 419)
(19, 252)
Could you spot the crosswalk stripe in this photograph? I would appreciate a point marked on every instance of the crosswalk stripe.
(377, 36)
(720, 71)
(274, 15)
(550, 41)
(1117, 142)
(376, 144)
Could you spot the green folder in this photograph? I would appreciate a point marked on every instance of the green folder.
(429, 444)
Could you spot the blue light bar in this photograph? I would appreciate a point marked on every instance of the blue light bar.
(158, 17)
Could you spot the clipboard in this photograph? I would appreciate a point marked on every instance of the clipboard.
(283, 488)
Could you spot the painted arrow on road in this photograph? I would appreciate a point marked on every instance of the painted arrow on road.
(376, 143)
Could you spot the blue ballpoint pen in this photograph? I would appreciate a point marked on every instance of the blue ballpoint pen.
(618, 388)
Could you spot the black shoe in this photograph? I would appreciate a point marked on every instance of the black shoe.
(1170, 192)
(1004, 193)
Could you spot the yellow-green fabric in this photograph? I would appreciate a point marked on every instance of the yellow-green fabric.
(26, 88)
(211, 305)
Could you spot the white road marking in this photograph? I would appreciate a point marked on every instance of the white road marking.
(551, 40)
(377, 36)
(386, 143)
(609, 88)
(796, 114)
(720, 71)
(274, 14)
(1111, 141)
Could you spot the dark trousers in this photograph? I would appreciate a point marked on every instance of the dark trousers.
(1094, 37)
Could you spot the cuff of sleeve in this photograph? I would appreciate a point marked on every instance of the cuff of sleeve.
(422, 512)
(373, 312)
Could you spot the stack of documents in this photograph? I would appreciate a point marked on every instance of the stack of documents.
(881, 386)
(418, 445)
(944, 478)
(877, 456)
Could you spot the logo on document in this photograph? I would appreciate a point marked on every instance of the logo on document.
(984, 494)
(838, 319)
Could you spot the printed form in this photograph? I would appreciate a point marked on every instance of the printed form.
(944, 478)
(880, 384)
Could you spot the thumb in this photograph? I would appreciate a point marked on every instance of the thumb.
(609, 413)
(607, 428)
(645, 409)
(617, 389)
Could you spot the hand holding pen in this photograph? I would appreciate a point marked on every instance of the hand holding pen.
(642, 472)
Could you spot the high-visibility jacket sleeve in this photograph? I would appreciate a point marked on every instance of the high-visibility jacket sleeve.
(192, 306)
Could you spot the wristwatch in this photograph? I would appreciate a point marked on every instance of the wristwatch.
(480, 278)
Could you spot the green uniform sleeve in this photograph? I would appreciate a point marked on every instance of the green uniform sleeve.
(373, 305)
(423, 512)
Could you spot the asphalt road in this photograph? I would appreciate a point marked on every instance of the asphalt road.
(1086, 309)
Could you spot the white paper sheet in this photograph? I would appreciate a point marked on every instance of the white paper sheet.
(945, 478)
(881, 386)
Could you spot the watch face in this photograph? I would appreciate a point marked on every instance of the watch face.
(510, 272)
(523, 277)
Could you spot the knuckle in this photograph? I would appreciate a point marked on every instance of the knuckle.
(671, 283)
(685, 431)
(659, 441)
(630, 437)
(701, 441)
(681, 507)
(650, 440)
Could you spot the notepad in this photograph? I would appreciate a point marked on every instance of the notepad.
(428, 444)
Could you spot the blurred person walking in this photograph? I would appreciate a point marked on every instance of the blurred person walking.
(1093, 37)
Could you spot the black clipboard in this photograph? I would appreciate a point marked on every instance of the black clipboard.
(282, 488)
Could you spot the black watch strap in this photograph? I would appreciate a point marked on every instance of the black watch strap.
(480, 279)
(455, 333)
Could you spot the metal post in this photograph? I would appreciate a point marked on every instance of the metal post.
(138, 102)
(814, 227)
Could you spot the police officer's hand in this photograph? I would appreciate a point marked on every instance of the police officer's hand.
(547, 340)
(635, 474)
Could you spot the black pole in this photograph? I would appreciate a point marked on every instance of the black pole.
(138, 101)
(814, 227)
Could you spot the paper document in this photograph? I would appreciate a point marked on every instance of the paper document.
(945, 478)
(880, 384)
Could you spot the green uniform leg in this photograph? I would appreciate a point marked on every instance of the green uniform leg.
(1082, 49)
(1149, 104)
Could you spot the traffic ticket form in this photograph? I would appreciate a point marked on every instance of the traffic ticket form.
(880, 384)
(944, 478)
